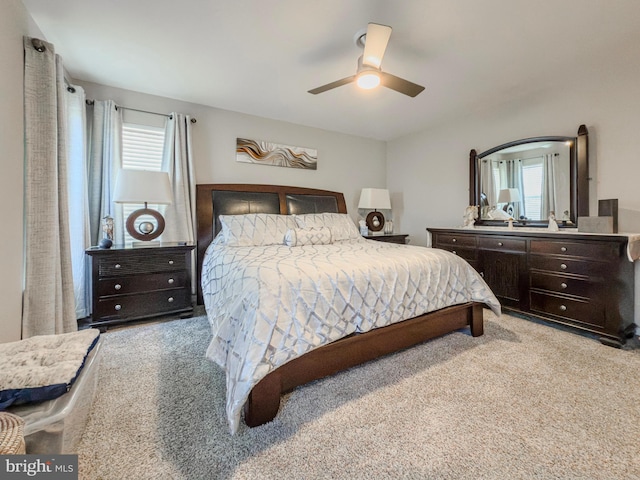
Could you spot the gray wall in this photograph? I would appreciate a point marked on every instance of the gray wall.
(429, 169)
(345, 163)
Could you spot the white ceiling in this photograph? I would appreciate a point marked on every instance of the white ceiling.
(261, 56)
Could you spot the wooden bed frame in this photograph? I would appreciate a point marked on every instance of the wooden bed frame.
(264, 400)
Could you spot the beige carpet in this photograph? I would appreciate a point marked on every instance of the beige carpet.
(524, 401)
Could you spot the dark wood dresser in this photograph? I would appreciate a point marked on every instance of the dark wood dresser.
(140, 282)
(583, 281)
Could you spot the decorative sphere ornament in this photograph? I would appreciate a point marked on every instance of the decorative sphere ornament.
(105, 243)
(146, 228)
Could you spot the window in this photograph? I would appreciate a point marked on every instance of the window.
(532, 185)
(142, 148)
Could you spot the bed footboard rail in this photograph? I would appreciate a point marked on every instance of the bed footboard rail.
(264, 400)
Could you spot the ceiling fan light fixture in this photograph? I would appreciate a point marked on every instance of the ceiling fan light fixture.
(369, 74)
(368, 79)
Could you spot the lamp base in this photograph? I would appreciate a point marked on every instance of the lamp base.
(375, 221)
(147, 235)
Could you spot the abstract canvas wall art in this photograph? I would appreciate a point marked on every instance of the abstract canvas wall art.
(268, 153)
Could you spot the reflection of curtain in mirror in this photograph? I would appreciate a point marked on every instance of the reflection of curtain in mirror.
(549, 186)
(488, 186)
(511, 175)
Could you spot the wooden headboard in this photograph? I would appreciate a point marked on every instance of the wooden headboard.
(213, 200)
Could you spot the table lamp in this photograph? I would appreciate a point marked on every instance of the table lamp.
(143, 186)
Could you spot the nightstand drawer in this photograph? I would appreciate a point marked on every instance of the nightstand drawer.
(141, 305)
(141, 283)
(143, 262)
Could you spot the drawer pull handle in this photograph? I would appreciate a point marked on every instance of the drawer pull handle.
(117, 286)
(170, 262)
(170, 281)
(500, 244)
(118, 307)
(563, 308)
(454, 252)
(453, 240)
(563, 266)
(563, 249)
(170, 300)
(117, 265)
(563, 285)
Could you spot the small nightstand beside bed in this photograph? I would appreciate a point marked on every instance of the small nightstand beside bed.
(293, 293)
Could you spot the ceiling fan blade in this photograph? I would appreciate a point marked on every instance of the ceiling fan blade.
(375, 44)
(329, 86)
(400, 84)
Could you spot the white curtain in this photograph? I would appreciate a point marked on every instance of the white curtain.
(488, 186)
(178, 162)
(78, 200)
(48, 298)
(511, 177)
(104, 161)
(549, 186)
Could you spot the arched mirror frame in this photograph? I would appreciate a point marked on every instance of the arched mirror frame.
(578, 174)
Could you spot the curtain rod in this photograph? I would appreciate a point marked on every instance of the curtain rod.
(520, 159)
(90, 102)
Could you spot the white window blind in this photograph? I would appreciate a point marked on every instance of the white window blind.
(142, 148)
(532, 184)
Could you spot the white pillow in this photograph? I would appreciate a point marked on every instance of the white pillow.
(297, 237)
(255, 229)
(341, 225)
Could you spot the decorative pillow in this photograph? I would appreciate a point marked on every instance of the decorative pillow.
(255, 229)
(341, 225)
(297, 237)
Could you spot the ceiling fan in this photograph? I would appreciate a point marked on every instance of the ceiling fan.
(369, 74)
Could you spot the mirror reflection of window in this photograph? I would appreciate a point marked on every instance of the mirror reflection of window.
(539, 170)
(532, 187)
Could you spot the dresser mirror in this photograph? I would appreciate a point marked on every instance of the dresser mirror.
(530, 179)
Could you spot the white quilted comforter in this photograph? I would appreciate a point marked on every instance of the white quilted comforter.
(270, 304)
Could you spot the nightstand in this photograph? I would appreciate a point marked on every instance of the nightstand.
(390, 238)
(131, 283)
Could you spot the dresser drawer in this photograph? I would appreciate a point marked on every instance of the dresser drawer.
(502, 244)
(468, 254)
(580, 311)
(140, 263)
(593, 250)
(565, 265)
(141, 283)
(141, 305)
(563, 284)
(445, 239)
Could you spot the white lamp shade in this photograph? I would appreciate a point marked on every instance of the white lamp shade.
(374, 198)
(509, 195)
(139, 186)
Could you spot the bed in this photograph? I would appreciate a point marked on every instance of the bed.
(293, 294)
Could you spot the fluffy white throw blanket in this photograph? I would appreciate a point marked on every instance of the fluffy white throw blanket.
(44, 360)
